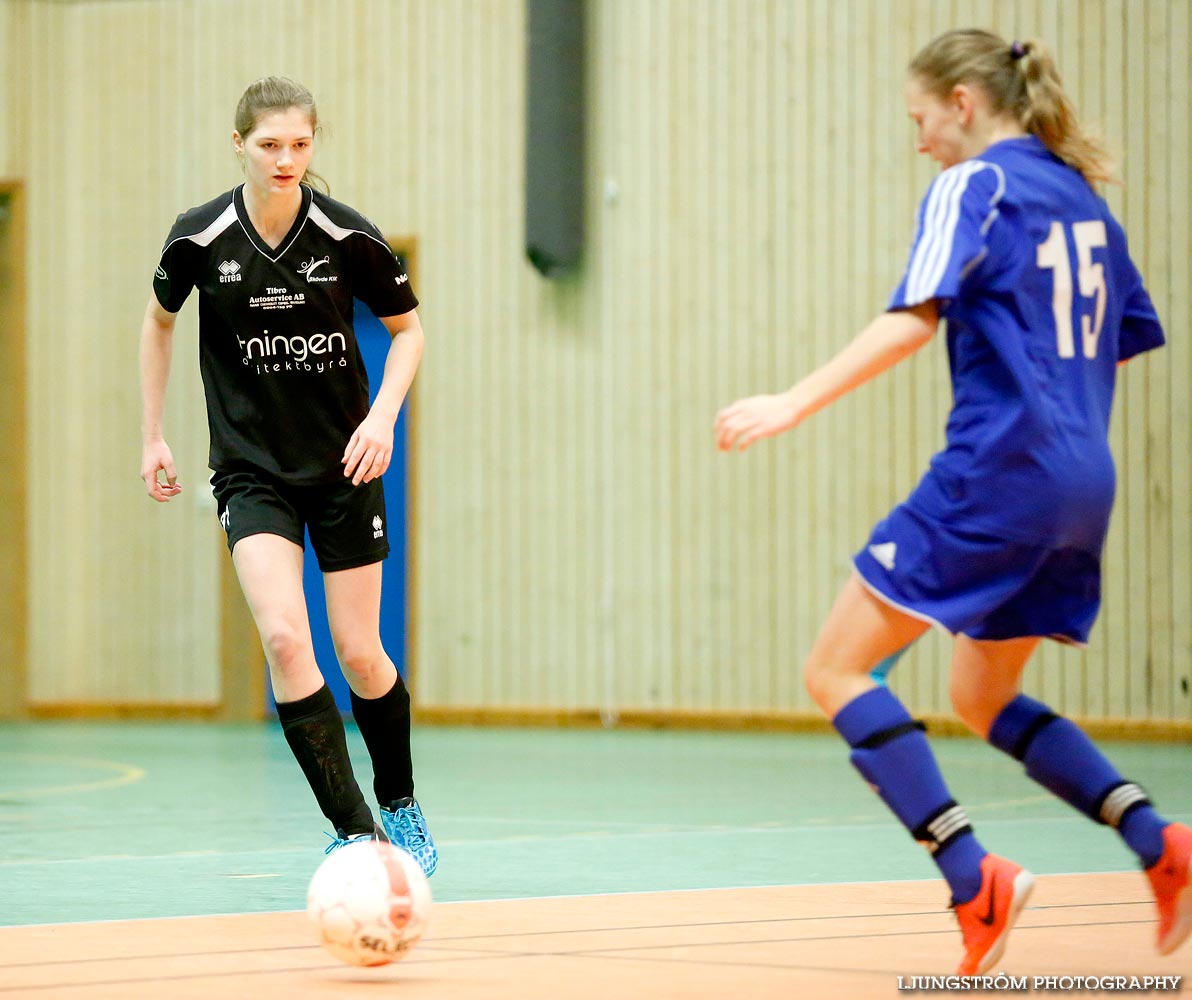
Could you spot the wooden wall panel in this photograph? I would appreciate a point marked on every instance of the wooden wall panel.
(1177, 308)
(752, 184)
(123, 606)
(9, 103)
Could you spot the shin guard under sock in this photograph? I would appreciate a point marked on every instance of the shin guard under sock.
(315, 733)
(385, 726)
(1060, 757)
(893, 755)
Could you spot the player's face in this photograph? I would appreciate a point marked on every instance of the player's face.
(277, 151)
(940, 134)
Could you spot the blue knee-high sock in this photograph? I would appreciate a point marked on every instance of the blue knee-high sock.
(893, 755)
(1061, 758)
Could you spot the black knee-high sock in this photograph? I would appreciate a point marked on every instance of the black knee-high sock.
(385, 725)
(315, 732)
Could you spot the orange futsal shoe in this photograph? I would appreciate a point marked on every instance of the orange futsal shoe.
(986, 919)
(1171, 880)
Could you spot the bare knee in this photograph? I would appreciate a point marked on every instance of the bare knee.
(976, 708)
(361, 662)
(833, 683)
(986, 675)
(966, 710)
(285, 646)
(817, 678)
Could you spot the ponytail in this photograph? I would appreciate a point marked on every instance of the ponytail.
(1020, 80)
(1048, 113)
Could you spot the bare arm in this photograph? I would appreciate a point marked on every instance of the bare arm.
(157, 345)
(888, 339)
(370, 449)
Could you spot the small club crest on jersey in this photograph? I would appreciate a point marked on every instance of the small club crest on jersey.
(229, 270)
(378, 530)
(308, 268)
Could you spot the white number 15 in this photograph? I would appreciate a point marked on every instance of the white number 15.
(1052, 254)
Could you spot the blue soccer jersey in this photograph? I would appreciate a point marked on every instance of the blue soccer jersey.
(1041, 299)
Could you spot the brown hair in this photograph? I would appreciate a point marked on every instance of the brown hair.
(278, 93)
(1021, 80)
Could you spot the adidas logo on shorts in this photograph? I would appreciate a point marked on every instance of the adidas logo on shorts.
(884, 553)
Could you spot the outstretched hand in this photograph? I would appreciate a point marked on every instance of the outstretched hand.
(747, 420)
(155, 459)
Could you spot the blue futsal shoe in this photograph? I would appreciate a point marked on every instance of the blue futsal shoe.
(341, 839)
(406, 827)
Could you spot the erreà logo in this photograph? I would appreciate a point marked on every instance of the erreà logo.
(229, 270)
(160, 274)
(377, 529)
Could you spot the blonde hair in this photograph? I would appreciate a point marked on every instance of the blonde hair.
(1021, 80)
(278, 93)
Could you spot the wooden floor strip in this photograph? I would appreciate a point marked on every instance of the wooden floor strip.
(850, 941)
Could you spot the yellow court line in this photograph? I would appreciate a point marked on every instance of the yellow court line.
(126, 774)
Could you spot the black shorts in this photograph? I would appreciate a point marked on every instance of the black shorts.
(346, 523)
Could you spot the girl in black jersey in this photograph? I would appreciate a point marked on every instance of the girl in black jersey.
(294, 442)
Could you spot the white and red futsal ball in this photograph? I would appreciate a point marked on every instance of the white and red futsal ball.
(369, 902)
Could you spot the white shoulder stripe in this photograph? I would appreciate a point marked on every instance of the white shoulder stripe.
(940, 217)
(945, 235)
(943, 229)
(935, 242)
(205, 238)
(928, 225)
(997, 197)
(319, 218)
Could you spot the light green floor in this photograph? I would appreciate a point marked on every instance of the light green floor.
(114, 821)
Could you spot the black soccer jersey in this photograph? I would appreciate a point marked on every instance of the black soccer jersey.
(283, 376)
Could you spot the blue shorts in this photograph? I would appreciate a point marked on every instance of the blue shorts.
(981, 586)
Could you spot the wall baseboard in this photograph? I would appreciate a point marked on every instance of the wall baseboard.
(1157, 730)
(1173, 730)
(109, 711)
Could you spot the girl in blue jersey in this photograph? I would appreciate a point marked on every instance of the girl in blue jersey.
(1000, 543)
(296, 446)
